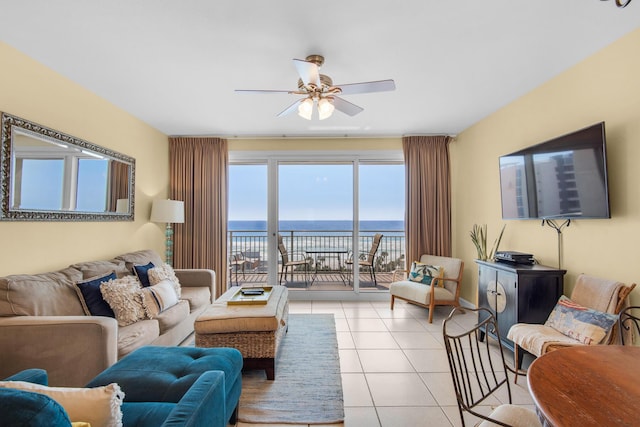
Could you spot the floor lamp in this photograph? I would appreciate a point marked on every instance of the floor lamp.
(169, 211)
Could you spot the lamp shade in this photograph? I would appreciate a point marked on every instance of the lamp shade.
(169, 211)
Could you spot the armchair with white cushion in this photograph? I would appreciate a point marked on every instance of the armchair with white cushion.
(443, 290)
(590, 294)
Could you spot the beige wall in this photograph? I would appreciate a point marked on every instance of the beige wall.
(32, 91)
(605, 87)
(326, 144)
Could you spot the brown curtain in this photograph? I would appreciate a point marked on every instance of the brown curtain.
(428, 196)
(198, 174)
(118, 183)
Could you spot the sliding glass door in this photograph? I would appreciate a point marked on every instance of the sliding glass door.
(316, 225)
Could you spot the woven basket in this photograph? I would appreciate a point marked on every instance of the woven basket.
(251, 344)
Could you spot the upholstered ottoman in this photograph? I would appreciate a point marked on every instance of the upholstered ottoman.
(255, 330)
(165, 374)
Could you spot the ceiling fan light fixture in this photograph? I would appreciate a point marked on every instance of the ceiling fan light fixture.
(305, 109)
(325, 108)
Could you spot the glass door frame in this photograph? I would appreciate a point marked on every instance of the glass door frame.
(272, 159)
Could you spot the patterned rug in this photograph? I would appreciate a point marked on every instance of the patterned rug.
(308, 386)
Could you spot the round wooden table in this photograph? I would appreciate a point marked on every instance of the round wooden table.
(587, 386)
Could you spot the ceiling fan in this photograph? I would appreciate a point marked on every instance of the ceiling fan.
(319, 89)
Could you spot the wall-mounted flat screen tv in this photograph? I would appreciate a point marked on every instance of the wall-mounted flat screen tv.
(564, 178)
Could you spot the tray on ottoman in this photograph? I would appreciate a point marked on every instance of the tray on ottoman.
(255, 330)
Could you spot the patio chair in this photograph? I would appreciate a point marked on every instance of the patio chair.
(478, 369)
(237, 262)
(252, 259)
(367, 259)
(598, 295)
(296, 260)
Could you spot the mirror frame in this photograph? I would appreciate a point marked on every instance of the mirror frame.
(9, 122)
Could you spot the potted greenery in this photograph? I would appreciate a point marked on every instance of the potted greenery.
(479, 238)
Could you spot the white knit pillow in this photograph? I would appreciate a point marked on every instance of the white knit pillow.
(125, 299)
(157, 298)
(162, 272)
(98, 406)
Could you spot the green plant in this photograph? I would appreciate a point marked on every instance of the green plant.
(479, 238)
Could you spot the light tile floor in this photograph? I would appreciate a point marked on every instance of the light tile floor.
(394, 366)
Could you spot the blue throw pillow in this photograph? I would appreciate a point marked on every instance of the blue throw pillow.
(91, 297)
(142, 271)
(25, 408)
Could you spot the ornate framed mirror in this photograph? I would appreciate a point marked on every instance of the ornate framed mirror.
(46, 175)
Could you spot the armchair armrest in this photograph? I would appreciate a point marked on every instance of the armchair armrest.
(72, 349)
(34, 376)
(198, 277)
(203, 404)
(403, 275)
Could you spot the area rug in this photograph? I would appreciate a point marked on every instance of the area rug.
(308, 385)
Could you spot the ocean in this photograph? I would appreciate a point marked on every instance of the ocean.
(304, 225)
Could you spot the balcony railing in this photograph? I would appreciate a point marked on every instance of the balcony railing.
(253, 247)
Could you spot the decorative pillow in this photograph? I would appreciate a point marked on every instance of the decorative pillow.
(580, 323)
(142, 272)
(91, 298)
(125, 299)
(424, 273)
(157, 298)
(25, 408)
(165, 271)
(99, 406)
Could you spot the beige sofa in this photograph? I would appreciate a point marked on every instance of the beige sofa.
(43, 324)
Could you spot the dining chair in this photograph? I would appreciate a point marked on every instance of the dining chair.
(478, 370)
(291, 262)
(367, 259)
(602, 295)
(629, 325)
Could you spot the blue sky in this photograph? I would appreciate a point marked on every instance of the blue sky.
(318, 192)
(42, 183)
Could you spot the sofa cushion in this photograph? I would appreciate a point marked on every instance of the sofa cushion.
(142, 273)
(580, 323)
(100, 268)
(136, 335)
(424, 273)
(46, 294)
(25, 408)
(196, 296)
(164, 272)
(140, 258)
(158, 298)
(172, 316)
(91, 298)
(124, 298)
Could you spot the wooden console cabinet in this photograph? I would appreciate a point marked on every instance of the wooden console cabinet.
(517, 293)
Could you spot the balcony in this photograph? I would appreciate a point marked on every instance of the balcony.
(325, 252)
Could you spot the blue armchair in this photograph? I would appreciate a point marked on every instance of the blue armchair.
(163, 386)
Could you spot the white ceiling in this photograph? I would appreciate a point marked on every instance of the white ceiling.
(175, 64)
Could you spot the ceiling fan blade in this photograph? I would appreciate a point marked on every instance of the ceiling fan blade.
(367, 87)
(269, 91)
(346, 106)
(291, 108)
(308, 71)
